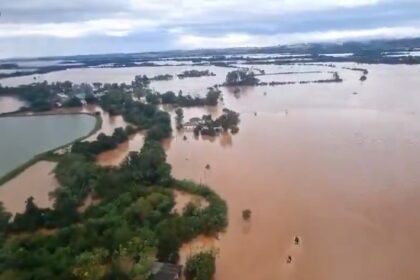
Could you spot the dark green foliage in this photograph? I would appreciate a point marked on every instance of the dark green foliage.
(201, 266)
(168, 98)
(165, 77)
(241, 78)
(73, 102)
(131, 222)
(179, 118)
(228, 120)
(195, 74)
(211, 99)
(141, 81)
(209, 221)
(149, 166)
(4, 218)
(114, 101)
(152, 98)
(103, 142)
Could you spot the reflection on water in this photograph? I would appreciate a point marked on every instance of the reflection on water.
(37, 181)
(24, 137)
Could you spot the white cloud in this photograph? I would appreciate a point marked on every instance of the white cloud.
(191, 41)
(110, 27)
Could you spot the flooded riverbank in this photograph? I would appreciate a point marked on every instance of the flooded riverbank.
(337, 169)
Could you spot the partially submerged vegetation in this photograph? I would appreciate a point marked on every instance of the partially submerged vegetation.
(195, 74)
(181, 100)
(201, 266)
(241, 77)
(208, 126)
(164, 77)
(103, 142)
(131, 226)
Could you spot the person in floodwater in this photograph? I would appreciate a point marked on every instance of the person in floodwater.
(289, 259)
(297, 240)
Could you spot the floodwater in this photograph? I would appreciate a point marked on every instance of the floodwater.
(10, 104)
(116, 157)
(335, 164)
(337, 169)
(182, 199)
(37, 181)
(24, 137)
(126, 75)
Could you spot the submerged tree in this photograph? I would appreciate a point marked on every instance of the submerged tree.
(241, 78)
(179, 118)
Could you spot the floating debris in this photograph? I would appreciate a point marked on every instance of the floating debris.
(208, 166)
(246, 214)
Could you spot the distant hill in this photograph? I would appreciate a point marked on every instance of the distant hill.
(356, 47)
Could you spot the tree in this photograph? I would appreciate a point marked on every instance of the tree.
(179, 118)
(90, 265)
(4, 218)
(200, 267)
(212, 97)
(168, 98)
(241, 78)
(152, 98)
(31, 219)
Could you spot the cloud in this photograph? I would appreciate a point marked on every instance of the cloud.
(136, 25)
(190, 41)
(110, 27)
(175, 11)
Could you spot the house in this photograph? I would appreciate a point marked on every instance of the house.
(166, 271)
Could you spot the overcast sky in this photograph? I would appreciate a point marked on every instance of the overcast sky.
(57, 27)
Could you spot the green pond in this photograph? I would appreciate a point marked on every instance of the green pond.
(21, 138)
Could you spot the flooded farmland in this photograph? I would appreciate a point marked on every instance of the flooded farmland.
(335, 164)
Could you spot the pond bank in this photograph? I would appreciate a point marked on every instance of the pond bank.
(48, 155)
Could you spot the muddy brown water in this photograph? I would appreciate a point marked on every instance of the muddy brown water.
(37, 181)
(10, 104)
(337, 169)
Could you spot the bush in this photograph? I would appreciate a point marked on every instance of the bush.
(200, 267)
